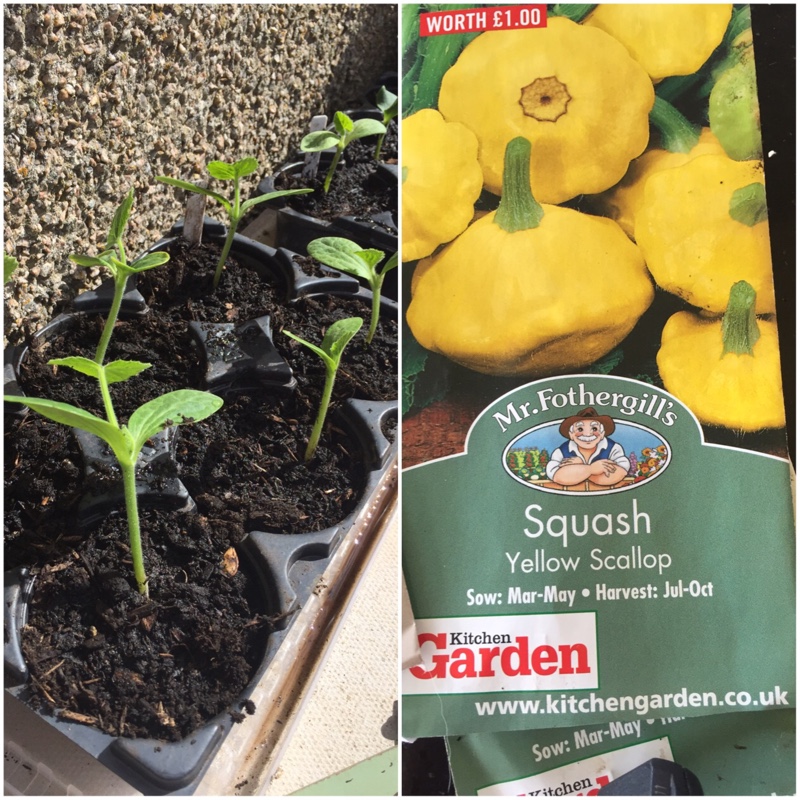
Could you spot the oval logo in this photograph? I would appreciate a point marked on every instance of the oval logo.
(586, 453)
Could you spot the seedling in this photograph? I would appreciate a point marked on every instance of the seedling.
(9, 265)
(345, 131)
(113, 259)
(126, 441)
(387, 103)
(330, 351)
(235, 208)
(347, 256)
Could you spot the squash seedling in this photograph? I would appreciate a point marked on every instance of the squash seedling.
(330, 351)
(113, 259)
(345, 131)
(386, 101)
(126, 441)
(347, 256)
(235, 208)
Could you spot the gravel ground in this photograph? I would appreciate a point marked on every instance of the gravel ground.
(99, 98)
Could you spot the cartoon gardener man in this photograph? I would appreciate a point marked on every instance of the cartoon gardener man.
(589, 454)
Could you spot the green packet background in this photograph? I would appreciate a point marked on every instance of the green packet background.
(722, 516)
(731, 754)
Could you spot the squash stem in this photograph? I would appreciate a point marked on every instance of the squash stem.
(111, 319)
(226, 248)
(134, 532)
(739, 324)
(518, 210)
(678, 135)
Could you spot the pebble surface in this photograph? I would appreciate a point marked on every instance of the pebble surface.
(102, 98)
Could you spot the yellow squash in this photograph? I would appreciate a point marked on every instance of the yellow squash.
(665, 38)
(529, 289)
(572, 91)
(622, 202)
(727, 371)
(693, 242)
(441, 180)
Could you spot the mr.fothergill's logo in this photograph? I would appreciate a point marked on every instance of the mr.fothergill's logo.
(586, 452)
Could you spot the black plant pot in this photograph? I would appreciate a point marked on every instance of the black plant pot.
(238, 359)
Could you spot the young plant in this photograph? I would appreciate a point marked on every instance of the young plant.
(113, 259)
(126, 441)
(345, 131)
(387, 103)
(330, 351)
(234, 208)
(347, 256)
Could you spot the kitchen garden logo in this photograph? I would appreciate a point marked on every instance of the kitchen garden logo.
(586, 452)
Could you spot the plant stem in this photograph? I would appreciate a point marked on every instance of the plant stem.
(316, 431)
(678, 135)
(336, 157)
(376, 309)
(739, 324)
(226, 248)
(518, 210)
(106, 395)
(378, 147)
(134, 532)
(111, 320)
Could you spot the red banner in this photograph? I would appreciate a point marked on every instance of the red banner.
(477, 20)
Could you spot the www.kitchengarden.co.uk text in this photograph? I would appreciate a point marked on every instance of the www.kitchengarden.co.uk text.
(642, 704)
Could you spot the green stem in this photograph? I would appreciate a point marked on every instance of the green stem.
(678, 135)
(134, 532)
(119, 290)
(106, 395)
(376, 310)
(336, 157)
(739, 324)
(518, 210)
(316, 431)
(226, 248)
(378, 147)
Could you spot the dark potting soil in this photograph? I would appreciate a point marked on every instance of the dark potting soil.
(245, 466)
(104, 655)
(42, 485)
(176, 363)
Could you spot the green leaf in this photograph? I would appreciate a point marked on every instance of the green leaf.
(342, 123)
(317, 141)
(339, 335)
(173, 408)
(366, 127)
(320, 352)
(90, 261)
(271, 196)
(74, 417)
(344, 255)
(749, 204)
(148, 261)
(221, 170)
(9, 265)
(118, 371)
(386, 102)
(120, 220)
(391, 263)
(245, 167)
(80, 364)
(190, 187)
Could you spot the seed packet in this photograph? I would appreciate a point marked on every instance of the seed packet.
(729, 754)
(597, 514)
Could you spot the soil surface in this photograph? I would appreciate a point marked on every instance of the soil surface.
(104, 655)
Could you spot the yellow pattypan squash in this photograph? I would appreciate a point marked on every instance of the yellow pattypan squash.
(665, 38)
(572, 91)
(702, 227)
(529, 289)
(622, 202)
(727, 371)
(441, 180)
